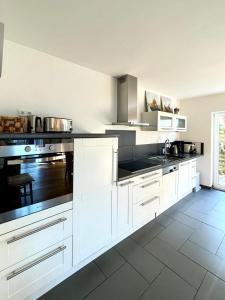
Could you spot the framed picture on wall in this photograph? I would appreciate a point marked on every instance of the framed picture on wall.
(152, 101)
(167, 104)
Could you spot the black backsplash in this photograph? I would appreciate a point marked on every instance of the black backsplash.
(128, 150)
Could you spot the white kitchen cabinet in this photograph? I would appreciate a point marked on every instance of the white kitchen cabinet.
(193, 166)
(184, 179)
(169, 193)
(187, 174)
(24, 279)
(19, 244)
(124, 206)
(180, 123)
(164, 121)
(145, 210)
(158, 120)
(95, 172)
(146, 196)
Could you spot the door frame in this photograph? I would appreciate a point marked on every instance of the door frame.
(216, 116)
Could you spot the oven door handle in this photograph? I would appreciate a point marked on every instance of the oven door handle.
(34, 160)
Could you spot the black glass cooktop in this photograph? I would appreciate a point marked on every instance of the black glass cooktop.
(138, 165)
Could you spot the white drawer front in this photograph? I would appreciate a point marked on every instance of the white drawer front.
(150, 175)
(144, 211)
(24, 279)
(29, 240)
(145, 189)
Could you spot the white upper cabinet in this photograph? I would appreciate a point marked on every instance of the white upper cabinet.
(163, 121)
(180, 123)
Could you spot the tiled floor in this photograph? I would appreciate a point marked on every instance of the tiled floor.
(178, 256)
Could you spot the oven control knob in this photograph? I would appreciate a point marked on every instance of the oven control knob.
(27, 148)
(52, 147)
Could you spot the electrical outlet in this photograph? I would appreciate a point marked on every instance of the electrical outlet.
(24, 112)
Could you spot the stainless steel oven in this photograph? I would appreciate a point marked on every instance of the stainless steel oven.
(34, 175)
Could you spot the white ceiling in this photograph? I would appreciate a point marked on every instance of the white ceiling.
(176, 47)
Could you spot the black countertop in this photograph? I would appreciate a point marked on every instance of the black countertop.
(15, 136)
(125, 174)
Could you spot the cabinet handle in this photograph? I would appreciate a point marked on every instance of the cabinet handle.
(126, 183)
(194, 166)
(149, 184)
(115, 166)
(149, 201)
(45, 226)
(35, 262)
(150, 175)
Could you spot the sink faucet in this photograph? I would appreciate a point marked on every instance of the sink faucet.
(167, 146)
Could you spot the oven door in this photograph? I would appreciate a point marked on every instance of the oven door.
(27, 181)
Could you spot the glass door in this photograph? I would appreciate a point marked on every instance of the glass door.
(165, 121)
(219, 151)
(180, 123)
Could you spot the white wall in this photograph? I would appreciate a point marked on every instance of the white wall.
(49, 86)
(200, 111)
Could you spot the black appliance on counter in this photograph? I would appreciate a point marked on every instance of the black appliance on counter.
(35, 174)
(179, 146)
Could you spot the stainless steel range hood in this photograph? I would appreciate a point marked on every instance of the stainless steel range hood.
(127, 102)
(1, 45)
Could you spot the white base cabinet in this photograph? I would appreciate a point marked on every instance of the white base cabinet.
(22, 280)
(187, 173)
(19, 244)
(169, 192)
(124, 207)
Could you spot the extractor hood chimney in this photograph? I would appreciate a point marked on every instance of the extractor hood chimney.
(1, 45)
(127, 102)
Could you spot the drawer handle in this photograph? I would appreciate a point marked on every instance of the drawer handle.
(149, 184)
(193, 167)
(33, 231)
(126, 183)
(150, 175)
(35, 262)
(149, 201)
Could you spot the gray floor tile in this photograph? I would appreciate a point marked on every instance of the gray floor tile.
(125, 283)
(208, 237)
(186, 220)
(175, 234)
(147, 265)
(164, 220)
(204, 204)
(144, 235)
(212, 288)
(184, 267)
(207, 219)
(169, 286)
(109, 262)
(220, 206)
(78, 285)
(208, 260)
(221, 250)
